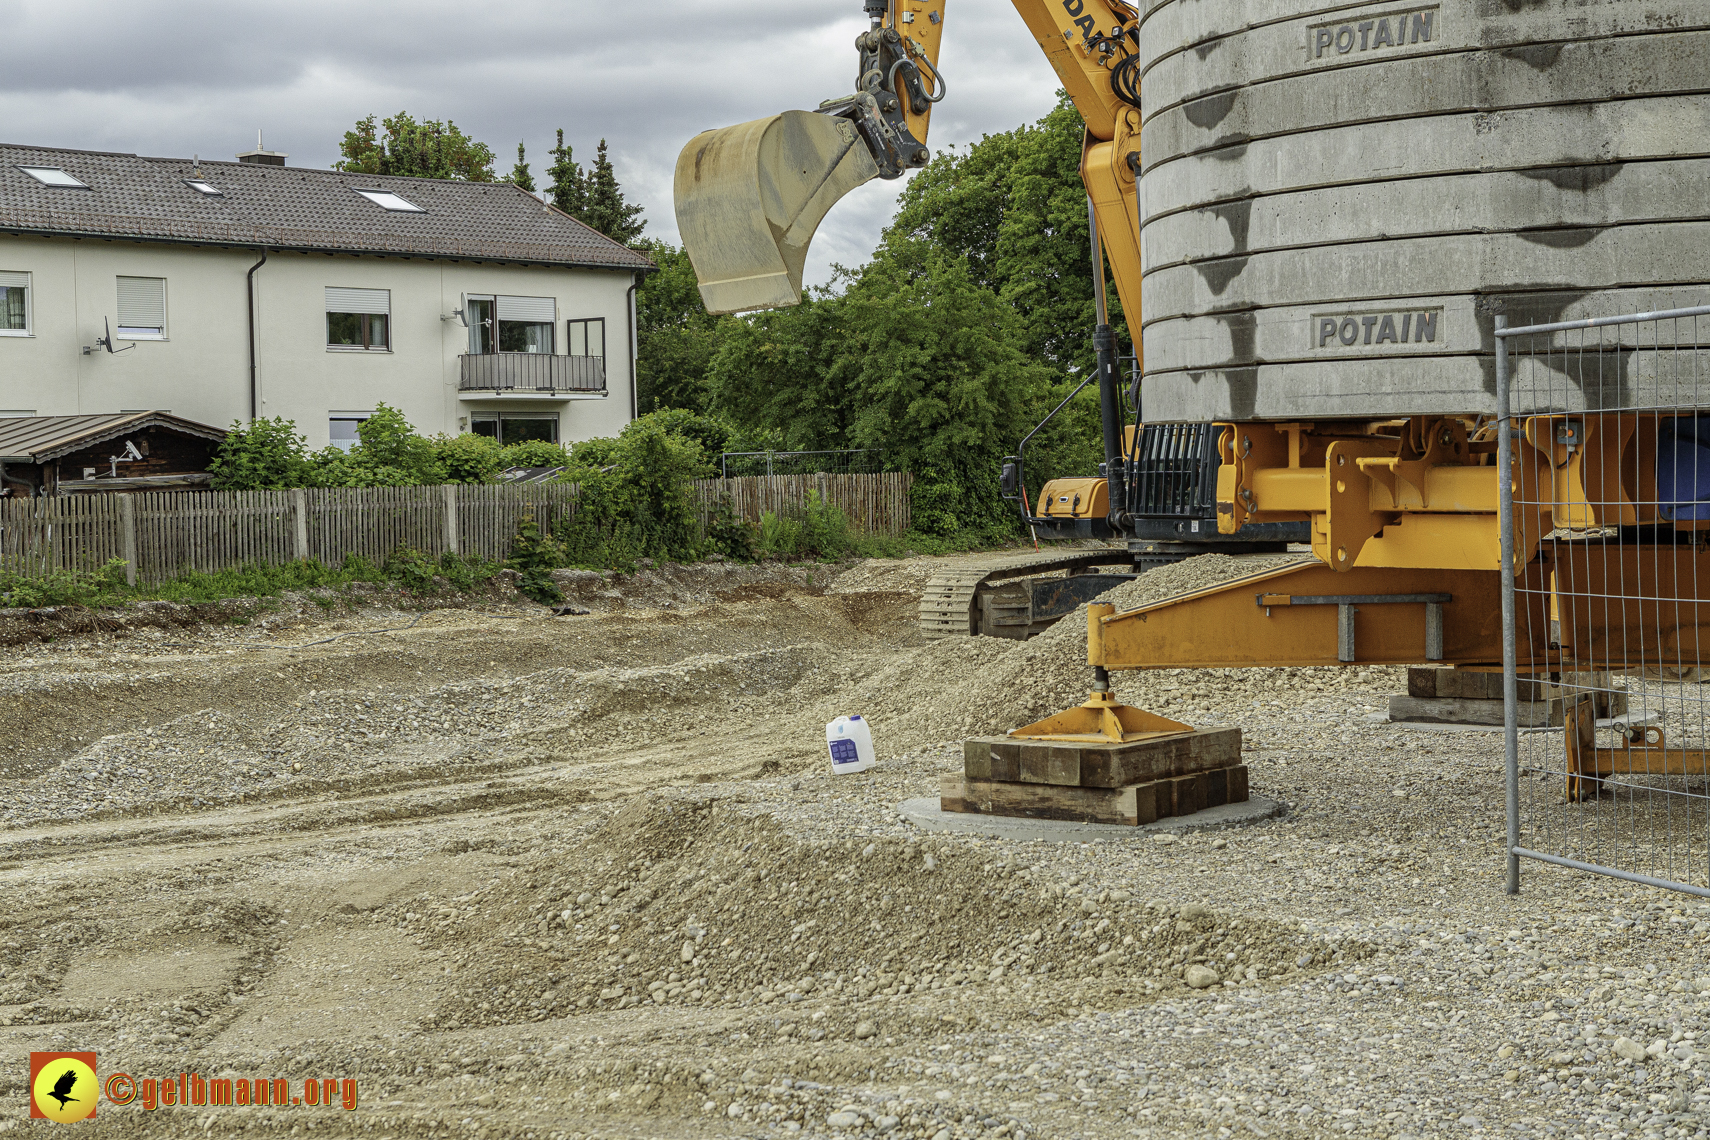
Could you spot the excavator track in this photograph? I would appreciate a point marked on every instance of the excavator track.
(949, 605)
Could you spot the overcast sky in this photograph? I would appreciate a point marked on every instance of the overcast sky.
(198, 77)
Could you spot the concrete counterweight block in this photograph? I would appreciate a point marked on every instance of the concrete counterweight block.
(1335, 200)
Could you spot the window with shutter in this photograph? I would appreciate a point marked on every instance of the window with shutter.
(359, 319)
(142, 308)
(14, 304)
(526, 323)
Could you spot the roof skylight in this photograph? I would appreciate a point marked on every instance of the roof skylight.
(202, 187)
(387, 200)
(54, 176)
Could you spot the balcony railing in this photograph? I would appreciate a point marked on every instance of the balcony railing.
(531, 372)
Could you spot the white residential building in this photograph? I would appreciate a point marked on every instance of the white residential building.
(224, 290)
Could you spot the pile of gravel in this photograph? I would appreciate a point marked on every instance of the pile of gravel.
(683, 900)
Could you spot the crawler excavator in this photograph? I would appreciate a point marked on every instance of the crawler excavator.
(749, 198)
(1396, 484)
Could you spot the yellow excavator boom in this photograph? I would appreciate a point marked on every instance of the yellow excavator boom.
(749, 197)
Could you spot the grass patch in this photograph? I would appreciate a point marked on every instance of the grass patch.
(407, 569)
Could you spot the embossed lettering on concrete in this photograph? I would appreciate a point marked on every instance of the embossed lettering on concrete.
(1390, 30)
(1336, 331)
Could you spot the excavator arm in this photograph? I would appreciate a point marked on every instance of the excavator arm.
(749, 197)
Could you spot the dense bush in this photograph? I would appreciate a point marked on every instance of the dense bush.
(262, 455)
(731, 535)
(535, 554)
(533, 453)
(61, 587)
(818, 530)
(636, 502)
(471, 458)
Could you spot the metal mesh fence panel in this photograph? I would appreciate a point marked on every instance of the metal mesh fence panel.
(1608, 511)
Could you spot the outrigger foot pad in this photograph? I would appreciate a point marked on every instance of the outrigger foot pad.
(1101, 717)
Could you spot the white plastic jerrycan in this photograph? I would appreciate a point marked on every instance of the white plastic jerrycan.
(851, 745)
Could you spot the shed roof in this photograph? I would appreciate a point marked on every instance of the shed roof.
(287, 207)
(42, 439)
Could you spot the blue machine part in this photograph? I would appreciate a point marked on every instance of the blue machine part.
(1683, 468)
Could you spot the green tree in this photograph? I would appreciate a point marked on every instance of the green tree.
(776, 371)
(262, 455)
(710, 433)
(520, 175)
(972, 320)
(428, 149)
(675, 336)
(566, 187)
(939, 380)
(1014, 205)
(606, 209)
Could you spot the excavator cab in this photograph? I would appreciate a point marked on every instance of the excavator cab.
(750, 197)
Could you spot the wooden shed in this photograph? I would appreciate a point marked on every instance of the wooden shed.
(128, 451)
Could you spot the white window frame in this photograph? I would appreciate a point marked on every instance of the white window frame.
(141, 332)
(359, 417)
(71, 181)
(9, 279)
(385, 199)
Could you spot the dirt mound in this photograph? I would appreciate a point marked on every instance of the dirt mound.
(690, 901)
(672, 584)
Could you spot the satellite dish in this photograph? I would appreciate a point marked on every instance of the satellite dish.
(107, 341)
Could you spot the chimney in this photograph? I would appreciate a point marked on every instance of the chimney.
(263, 157)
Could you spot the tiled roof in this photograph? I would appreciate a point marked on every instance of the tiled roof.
(39, 439)
(286, 207)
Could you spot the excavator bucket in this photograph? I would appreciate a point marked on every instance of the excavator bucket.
(750, 197)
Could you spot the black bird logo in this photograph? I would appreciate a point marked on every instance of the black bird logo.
(62, 1087)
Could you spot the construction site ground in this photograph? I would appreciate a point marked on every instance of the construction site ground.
(591, 876)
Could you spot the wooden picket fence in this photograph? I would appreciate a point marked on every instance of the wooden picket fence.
(161, 534)
(875, 502)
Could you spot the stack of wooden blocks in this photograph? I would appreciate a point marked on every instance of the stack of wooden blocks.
(1134, 783)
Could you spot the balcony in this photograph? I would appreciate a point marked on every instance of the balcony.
(531, 375)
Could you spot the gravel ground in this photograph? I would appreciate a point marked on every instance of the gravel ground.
(590, 877)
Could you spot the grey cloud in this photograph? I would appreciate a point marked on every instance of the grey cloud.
(199, 78)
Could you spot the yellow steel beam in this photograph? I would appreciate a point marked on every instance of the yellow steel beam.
(1226, 625)
(1624, 606)
(1061, 30)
